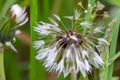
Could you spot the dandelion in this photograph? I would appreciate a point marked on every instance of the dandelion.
(69, 50)
(65, 51)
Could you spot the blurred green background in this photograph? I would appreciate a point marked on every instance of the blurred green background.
(22, 65)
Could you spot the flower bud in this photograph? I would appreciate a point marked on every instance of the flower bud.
(19, 14)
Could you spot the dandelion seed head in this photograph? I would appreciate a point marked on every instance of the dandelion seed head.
(69, 38)
(65, 51)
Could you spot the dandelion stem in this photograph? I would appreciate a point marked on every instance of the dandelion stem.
(2, 73)
(73, 76)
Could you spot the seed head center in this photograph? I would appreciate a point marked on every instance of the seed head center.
(69, 38)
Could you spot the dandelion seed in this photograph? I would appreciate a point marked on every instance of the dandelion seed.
(77, 14)
(97, 30)
(57, 17)
(85, 24)
(69, 17)
(41, 43)
(100, 6)
(106, 14)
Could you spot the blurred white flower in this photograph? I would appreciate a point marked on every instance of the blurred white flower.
(19, 14)
(8, 32)
(66, 51)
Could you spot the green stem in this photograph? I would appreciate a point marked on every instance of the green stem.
(2, 73)
(113, 49)
(73, 77)
(37, 71)
(104, 69)
(33, 16)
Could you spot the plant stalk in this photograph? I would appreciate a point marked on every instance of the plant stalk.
(73, 76)
(2, 73)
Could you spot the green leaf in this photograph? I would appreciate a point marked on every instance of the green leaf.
(11, 66)
(113, 58)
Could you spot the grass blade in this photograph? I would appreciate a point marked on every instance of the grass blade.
(112, 59)
(6, 7)
(2, 73)
(36, 70)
